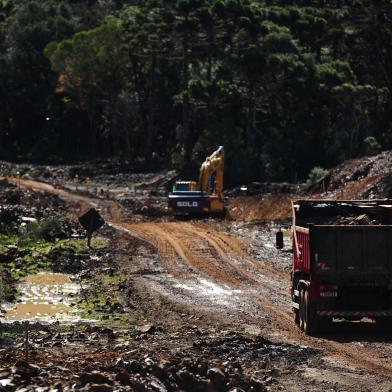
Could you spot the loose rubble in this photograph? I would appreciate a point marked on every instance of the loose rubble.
(222, 361)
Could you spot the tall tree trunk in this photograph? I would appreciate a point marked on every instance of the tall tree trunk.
(141, 93)
(185, 104)
(93, 128)
(151, 112)
(114, 126)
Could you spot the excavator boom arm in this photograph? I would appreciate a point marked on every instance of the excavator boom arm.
(214, 164)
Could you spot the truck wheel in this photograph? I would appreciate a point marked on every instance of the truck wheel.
(295, 310)
(301, 312)
(296, 316)
(310, 319)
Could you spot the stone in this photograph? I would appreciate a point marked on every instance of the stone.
(147, 328)
(5, 373)
(257, 384)
(7, 383)
(134, 366)
(33, 370)
(157, 385)
(216, 375)
(58, 387)
(186, 378)
(149, 362)
(123, 378)
(94, 378)
(98, 388)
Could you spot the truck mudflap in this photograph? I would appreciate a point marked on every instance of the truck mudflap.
(353, 313)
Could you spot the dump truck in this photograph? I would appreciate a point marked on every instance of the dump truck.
(204, 196)
(342, 262)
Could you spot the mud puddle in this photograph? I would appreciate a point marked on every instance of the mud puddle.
(44, 297)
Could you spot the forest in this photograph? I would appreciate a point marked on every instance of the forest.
(283, 85)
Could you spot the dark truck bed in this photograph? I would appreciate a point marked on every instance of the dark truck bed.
(341, 270)
(347, 255)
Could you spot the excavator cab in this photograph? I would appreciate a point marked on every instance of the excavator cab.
(204, 196)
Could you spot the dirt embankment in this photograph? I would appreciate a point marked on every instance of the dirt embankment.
(270, 207)
(362, 178)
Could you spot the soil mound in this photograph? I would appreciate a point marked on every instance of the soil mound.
(361, 178)
(265, 207)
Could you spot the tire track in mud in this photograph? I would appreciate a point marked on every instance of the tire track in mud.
(204, 250)
(178, 240)
(229, 244)
(230, 251)
(171, 240)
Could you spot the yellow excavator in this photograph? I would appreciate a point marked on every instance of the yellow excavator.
(204, 196)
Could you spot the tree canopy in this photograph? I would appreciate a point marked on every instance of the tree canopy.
(284, 85)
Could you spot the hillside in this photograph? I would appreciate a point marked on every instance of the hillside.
(363, 178)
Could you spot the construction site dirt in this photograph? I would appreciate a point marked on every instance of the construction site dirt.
(201, 304)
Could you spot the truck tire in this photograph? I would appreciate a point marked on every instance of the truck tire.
(296, 316)
(301, 312)
(310, 323)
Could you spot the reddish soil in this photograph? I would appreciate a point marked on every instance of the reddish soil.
(261, 208)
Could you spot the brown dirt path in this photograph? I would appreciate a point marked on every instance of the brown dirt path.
(109, 209)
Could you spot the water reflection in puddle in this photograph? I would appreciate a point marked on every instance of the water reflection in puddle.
(44, 297)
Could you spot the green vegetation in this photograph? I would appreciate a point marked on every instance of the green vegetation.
(103, 298)
(49, 229)
(7, 289)
(371, 145)
(316, 175)
(284, 85)
(29, 255)
(6, 241)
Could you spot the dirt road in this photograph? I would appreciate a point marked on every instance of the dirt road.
(204, 267)
(251, 292)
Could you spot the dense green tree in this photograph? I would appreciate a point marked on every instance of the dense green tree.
(92, 67)
(285, 85)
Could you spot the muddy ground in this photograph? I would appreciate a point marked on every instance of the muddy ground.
(167, 304)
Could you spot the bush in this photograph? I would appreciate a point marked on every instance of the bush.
(316, 175)
(49, 229)
(371, 145)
